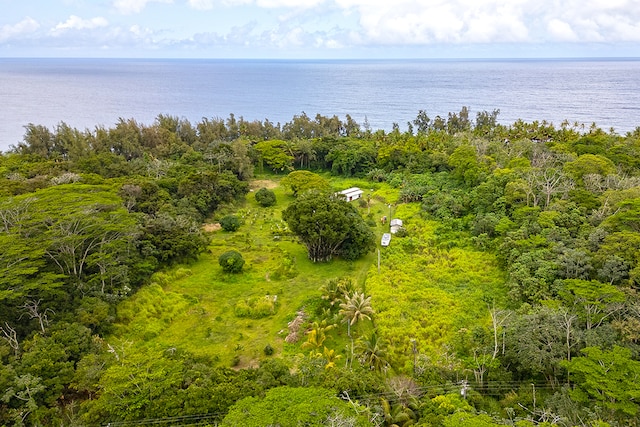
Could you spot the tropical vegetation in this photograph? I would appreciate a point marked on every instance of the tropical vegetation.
(209, 273)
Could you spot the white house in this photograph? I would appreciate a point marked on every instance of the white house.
(395, 224)
(352, 193)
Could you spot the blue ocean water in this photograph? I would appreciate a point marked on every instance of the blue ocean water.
(89, 92)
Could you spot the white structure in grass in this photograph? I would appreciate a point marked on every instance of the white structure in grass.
(352, 193)
(395, 224)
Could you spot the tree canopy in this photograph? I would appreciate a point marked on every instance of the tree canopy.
(518, 271)
(328, 226)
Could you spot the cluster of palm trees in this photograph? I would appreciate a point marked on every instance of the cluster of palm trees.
(346, 304)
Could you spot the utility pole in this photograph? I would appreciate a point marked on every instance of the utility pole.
(463, 390)
(415, 355)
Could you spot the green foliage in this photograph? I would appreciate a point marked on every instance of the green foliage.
(275, 155)
(166, 239)
(290, 407)
(548, 217)
(611, 377)
(231, 262)
(150, 311)
(140, 387)
(257, 308)
(328, 226)
(287, 269)
(589, 164)
(351, 157)
(537, 343)
(301, 181)
(430, 293)
(268, 350)
(465, 164)
(265, 197)
(465, 419)
(594, 301)
(230, 223)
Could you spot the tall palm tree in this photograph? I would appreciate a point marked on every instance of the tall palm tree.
(355, 308)
(305, 152)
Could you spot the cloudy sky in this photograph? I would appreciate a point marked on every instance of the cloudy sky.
(320, 28)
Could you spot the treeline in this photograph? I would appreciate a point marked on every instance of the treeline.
(88, 215)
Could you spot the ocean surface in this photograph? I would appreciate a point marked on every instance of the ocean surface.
(85, 93)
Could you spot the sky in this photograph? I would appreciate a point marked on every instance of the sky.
(308, 29)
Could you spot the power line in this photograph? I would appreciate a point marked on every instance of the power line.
(390, 396)
(183, 420)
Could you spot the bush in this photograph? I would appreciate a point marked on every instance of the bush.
(402, 232)
(268, 350)
(256, 308)
(265, 197)
(231, 261)
(230, 223)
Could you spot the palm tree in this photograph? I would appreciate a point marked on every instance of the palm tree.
(331, 357)
(305, 152)
(397, 414)
(335, 290)
(372, 351)
(317, 335)
(355, 308)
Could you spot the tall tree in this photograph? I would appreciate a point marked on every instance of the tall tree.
(324, 223)
(355, 308)
(300, 181)
(611, 377)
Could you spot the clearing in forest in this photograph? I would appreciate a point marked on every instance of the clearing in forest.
(422, 292)
(433, 295)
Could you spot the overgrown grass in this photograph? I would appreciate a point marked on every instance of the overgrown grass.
(422, 291)
(202, 311)
(428, 293)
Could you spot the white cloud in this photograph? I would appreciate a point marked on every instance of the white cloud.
(127, 7)
(351, 25)
(273, 4)
(560, 30)
(77, 23)
(22, 28)
(494, 21)
(296, 4)
(201, 4)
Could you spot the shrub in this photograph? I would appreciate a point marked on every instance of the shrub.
(268, 350)
(256, 308)
(265, 197)
(230, 223)
(402, 232)
(231, 261)
(236, 361)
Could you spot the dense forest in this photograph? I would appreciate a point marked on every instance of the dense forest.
(508, 297)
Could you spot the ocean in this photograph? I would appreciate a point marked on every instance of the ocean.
(85, 93)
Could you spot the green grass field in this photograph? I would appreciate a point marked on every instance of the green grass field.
(421, 292)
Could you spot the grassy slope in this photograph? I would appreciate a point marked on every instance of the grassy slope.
(421, 292)
(428, 293)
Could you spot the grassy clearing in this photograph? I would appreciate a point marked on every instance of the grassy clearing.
(421, 291)
(196, 308)
(428, 293)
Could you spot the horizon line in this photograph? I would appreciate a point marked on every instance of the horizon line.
(373, 58)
